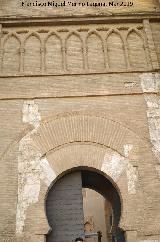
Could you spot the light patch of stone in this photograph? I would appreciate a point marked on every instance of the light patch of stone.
(132, 177)
(127, 149)
(47, 174)
(30, 113)
(129, 84)
(151, 83)
(115, 164)
(31, 168)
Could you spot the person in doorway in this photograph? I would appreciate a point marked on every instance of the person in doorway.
(79, 239)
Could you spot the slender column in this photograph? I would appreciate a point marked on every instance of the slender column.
(84, 55)
(64, 58)
(151, 45)
(126, 52)
(43, 58)
(1, 50)
(22, 50)
(105, 53)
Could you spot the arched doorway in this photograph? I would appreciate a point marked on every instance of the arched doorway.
(64, 206)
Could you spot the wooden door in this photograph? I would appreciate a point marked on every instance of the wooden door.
(64, 208)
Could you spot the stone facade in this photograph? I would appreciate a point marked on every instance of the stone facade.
(79, 87)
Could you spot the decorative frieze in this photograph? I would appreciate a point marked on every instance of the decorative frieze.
(78, 50)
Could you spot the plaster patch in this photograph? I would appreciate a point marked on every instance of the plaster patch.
(132, 177)
(150, 82)
(47, 174)
(114, 165)
(30, 113)
(31, 169)
(127, 149)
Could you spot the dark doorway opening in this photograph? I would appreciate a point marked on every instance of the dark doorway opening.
(65, 210)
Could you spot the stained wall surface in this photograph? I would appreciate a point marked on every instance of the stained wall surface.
(81, 91)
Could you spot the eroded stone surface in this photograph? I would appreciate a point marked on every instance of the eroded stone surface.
(150, 85)
(31, 167)
(114, 166)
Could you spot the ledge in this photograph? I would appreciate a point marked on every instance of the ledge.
(77, 19)
(92, 85)
(81, 73)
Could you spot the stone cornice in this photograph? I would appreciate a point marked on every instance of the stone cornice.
(77, 19)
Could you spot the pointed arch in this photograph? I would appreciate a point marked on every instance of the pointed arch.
(136, 31)
(10, 34)
(136, 49)
(95, 51)
(74, 52)
(32, 55)
(115, 50)
(53, 52)
(11, 53)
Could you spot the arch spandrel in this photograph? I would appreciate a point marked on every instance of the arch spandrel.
(70, 128)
